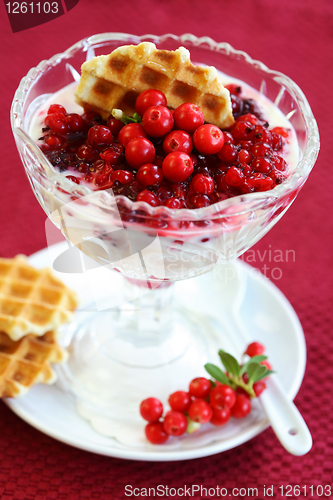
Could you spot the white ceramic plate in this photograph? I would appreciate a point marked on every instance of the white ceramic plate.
(267, 316)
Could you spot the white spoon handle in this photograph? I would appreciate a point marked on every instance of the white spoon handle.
(285, 419)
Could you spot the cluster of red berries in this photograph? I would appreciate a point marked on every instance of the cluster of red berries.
(205, 401)
(167, 157)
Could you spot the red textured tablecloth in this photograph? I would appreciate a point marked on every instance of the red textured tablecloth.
(295, 37)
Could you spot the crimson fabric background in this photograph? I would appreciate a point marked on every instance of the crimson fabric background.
(293, 36)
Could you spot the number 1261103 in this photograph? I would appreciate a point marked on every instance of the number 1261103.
(32, 7)
(295, 490)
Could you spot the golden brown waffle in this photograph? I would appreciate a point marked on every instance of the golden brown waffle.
(32, 300)
(115, 80)
(26, 362)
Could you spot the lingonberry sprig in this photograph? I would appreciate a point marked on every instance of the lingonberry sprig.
(228, 395)
(243, 376)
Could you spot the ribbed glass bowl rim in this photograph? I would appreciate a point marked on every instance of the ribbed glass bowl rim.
(227, 207)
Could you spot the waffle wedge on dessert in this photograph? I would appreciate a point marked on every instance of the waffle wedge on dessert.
(32, 301)
(115, 80)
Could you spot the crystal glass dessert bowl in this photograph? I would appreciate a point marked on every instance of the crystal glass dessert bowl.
(153, 246)
(199, 237)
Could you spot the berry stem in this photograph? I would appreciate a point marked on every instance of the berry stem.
(118, 114)
(239, 382)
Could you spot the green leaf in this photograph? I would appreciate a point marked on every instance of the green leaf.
(256, 371)
(269, 372)
(254, 359)
(230, 363)
(215, 372)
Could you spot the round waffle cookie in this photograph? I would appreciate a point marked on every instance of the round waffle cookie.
(32, 301)
(26, 362)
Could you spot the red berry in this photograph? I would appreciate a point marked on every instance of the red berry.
(261, 149)
(244, 156)
(200, 411)
(220, 417)
(149, 98)
(203, 184)
(139, 151)
(262, 165)
(248, 117)
(236, 105)
(234, 88)
(180, 401)
(57, 123)
(221, 396)
(262, 134)
(258, 387)
(175, 423)
(157, 121)
(151, 409)
(100, 164)
(188, 117)
(115, 126)
(174, 203)
(149, 198)
(56, 108)
(155, 433)
(229, 153)
(247, 170)
(199, 201)
(180, 191)
(123, 176)
(178, 140)
(200, 387)
(177, 166)
(73, 179)
(242, 406)
(243, 131)
(75, 123)
(281, 131)
(259, 182)
(83, 167)
(255, 349)
(149, 174)
(99, 136)
(53, 140)
(279, 163)
(129, 132)
(113, 153)
(245, 144)
(164, 193)
(86, 152)
(208, 139)
(234, 177)
(102, 180)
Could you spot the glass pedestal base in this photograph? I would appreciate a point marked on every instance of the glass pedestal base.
(111, 372)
